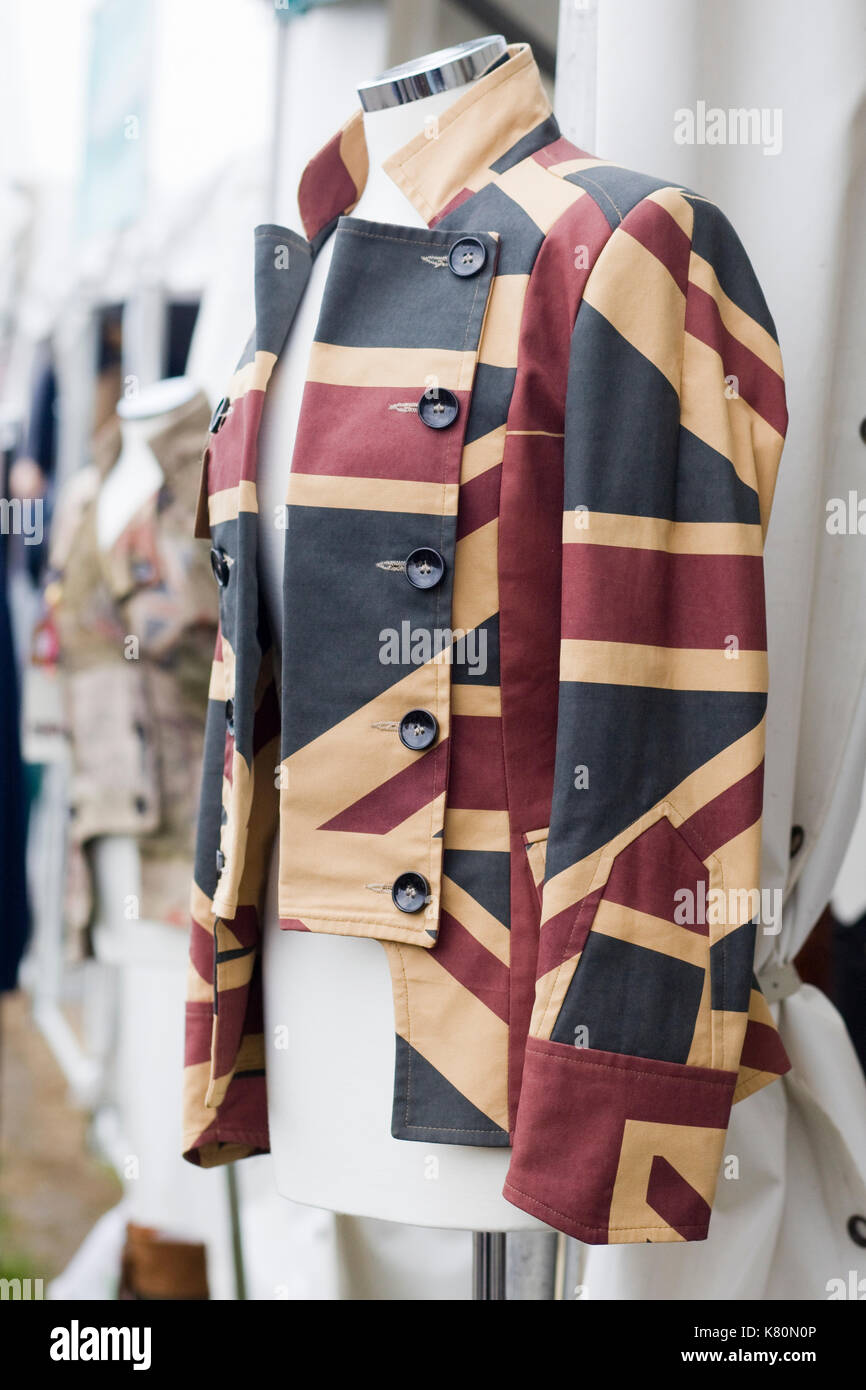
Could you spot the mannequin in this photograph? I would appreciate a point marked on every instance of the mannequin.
(149, 956)
(342, 1156)
(136, 475)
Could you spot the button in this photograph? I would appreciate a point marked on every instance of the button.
(230, 717)
(424, 568)
(220, 566)
(418, 729)
(438, 410)
(857, 1230)
(410, 892)
(467, 256)
(219, 415)
(220, 862)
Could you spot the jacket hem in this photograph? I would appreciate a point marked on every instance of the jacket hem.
(597, 1235)
(228, 1146)
(293, 919)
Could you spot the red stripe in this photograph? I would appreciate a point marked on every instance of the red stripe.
(326, 188)
(728, 814)
(655, 229)
(453, 203)
(233, 447)
(621, 594)
(477, 780)
(763, 1049)
(647, 874)
(479, 501)
(561, 270)
(529, 564)
(559, 152)
(470, 963)
(525, 912)
(398, 798)
(199, 1032)
(564, 935)
(350, 432)
(674, 1199)
(758, 384)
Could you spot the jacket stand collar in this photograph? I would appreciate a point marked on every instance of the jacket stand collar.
(436, 167)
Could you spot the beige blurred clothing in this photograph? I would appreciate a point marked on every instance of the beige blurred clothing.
(136, 625)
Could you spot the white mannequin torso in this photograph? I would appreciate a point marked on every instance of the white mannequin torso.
(136, 475)
(330, 1088)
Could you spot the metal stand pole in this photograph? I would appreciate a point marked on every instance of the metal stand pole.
(237, 1243)
(488, 1265)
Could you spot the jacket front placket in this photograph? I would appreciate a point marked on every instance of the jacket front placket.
(368, 637)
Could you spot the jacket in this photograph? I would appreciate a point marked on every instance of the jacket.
(135, 625)
(518, 732)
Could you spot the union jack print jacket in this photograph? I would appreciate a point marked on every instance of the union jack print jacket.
(518, 734)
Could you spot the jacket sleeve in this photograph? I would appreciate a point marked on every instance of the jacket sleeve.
(646, 1008)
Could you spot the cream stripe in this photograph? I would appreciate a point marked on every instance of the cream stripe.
(476, 578)
(740, 324)
(230, 501)
(580, 166)
(542, 198)
(664, 668)
(253, 376)
(476, 699)
(217, 686)
(657, 533)
(550, 992)
(492, 934)
(682, 212)
(461, 1037)
(651, 932)
(409, 368)
(477, 830)
(373, 495)
(501, 335)
(728, 424)
(650, 321)
(482, 454)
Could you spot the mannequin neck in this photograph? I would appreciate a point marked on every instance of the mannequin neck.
(386, 132)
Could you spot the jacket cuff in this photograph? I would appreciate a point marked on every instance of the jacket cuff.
(614, 1149)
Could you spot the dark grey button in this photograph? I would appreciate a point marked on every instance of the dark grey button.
(230, 717)
(467, 256)
(220, 862)
(424, 568)
(440, 409)
(410, 892)
(418, 729)
(218, 418)
(220, 566)
(857, 1230)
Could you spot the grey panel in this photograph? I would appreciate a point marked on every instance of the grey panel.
(383, 291)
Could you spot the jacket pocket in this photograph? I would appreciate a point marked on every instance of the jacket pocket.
(639, 950)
